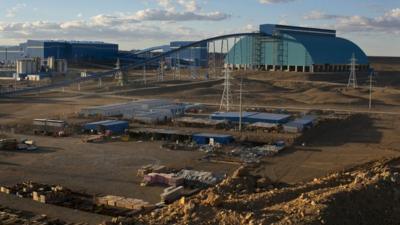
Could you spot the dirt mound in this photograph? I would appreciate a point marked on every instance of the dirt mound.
(367, 194)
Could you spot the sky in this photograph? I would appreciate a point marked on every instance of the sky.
(136, 24)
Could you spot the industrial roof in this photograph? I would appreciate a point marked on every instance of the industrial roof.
(271, 28)
(160, 131)
(232, 114)
(269, 116)
(69, 42)
(304, 120)
(322, 44)
(115, 122)
(330, 50)
(212, 135)
(100, 122)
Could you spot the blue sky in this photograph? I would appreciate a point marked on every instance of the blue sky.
(374, 25)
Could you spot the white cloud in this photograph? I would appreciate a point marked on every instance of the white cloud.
(13, 11)
(387, 23)
(164, 15)
(97, 28)
(156, 25)
(167, 4)
(318, 15)
(189, 5)
(274, 1)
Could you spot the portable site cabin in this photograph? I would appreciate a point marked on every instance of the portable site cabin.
(46, 126)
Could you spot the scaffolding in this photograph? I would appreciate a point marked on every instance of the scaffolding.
(280, 51)
(259, 56)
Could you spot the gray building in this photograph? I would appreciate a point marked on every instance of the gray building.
(9, 54)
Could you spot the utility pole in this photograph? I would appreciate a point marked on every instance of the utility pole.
(6, 62)
(144, 74)
(178, 65)
(370, 89)
(240, 104)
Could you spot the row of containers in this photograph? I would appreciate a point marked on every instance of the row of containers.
(267, 120)
(159, 110)
(118, 127)
(122, 127)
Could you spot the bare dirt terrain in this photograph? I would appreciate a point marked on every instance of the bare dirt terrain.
(110, 168)
(97, 168)
(366, 194)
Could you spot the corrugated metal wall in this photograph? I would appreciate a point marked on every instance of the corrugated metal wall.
(294, 49)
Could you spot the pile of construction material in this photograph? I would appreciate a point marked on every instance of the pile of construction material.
(38, 192)
(60, 196)
(176, 182)
(137, 205)
(162, 179)
(255, 154)
(172, 194)
(12, 217)
(179, 146)
(151, 168)
(187, 178)
(198, 179)
(13, 145)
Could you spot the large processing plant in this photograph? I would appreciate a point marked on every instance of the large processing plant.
(300, 49)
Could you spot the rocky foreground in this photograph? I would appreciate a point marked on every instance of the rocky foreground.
(366, 194)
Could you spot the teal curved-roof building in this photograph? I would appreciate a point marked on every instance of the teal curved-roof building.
(292, 48)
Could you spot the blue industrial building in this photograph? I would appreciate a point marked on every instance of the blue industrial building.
(73, 51)
(194, 56)
(267, 118)
(301, 49)
(302, 123)
(115, 126)
(252, 117)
